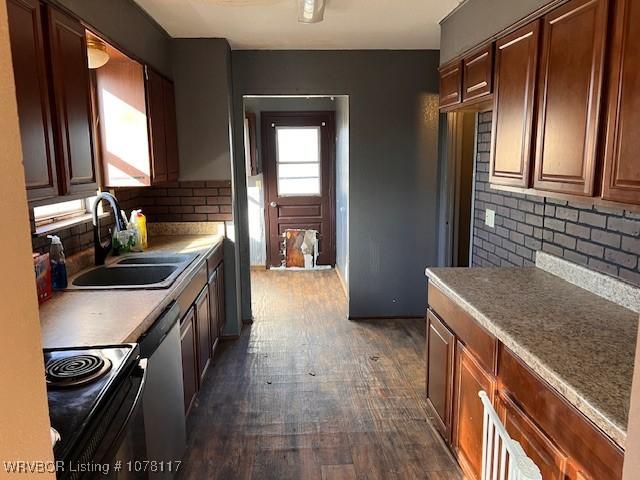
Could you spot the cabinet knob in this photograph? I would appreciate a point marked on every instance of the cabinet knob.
(273, 204)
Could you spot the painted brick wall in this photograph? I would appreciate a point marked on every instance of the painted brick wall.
(603, 239)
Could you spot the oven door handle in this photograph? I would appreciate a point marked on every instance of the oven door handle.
(140, 371)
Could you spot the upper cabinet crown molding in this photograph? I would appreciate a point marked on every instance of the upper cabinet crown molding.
(621, 179)
(514, 102)
(569, 99)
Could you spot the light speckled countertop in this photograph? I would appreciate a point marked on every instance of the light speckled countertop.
(580, 343)
(100, 317)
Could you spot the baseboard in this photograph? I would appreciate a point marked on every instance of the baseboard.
(386, 317)
(343, 283)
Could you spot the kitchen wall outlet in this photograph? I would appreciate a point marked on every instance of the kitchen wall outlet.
(490, 218)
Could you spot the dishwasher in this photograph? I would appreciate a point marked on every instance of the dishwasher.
(163, 399)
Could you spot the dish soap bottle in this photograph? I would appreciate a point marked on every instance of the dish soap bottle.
(58, 265)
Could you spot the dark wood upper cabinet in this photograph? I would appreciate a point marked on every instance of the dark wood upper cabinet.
(621, 180)
(122, 122)
(569, 99)
(477, 73)
(171, 130)
(156, 114)
(450, 84)
(440, 360)
(470, 378)
(32, 94)
(513, 104)
(551, 461)
(72, 96)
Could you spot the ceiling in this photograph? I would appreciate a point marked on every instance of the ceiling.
(272, 24)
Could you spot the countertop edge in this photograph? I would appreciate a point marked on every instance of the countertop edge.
(606, 425)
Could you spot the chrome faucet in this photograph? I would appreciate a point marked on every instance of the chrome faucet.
(102, 250)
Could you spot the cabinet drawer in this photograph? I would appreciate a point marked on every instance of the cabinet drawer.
(191, 291)
(583, 442)
(214, 258)
(477, 73)
(481, 343)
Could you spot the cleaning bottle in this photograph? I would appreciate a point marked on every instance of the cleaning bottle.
(58, 265)
(139, 223)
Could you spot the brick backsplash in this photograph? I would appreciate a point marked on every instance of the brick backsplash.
(182, 201)
(205, 201)
(603, 239)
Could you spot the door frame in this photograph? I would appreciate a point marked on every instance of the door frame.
(265, 119)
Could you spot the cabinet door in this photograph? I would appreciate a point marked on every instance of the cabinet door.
(214, 326)
(546, 455)
(622, 169)
(221, 299)
(72, 92)
(171, 130)
(189, 368)
(450, 85)
(123, 129)
(440, 360)
(470, 378)
(477, 73)
(32, 95)
(204, 339)
(513, 104)
(569, 97)
(156, 113)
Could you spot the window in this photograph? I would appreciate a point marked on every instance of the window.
(63, 212)
(298, 161)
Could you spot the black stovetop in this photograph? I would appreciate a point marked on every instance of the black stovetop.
(73, 408)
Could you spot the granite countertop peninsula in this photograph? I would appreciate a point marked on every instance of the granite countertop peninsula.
(582, 344)
(102, 317)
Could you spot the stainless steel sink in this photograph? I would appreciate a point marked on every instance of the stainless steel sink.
(137, 271)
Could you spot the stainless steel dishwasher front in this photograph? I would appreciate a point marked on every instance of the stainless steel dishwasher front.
(163, 401)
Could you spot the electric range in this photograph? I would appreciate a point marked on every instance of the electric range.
(93, 393)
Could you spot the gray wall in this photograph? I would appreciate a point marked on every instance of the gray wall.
(202, 72)
(342, 190)
(477, 20)
(393, 163)
(127, 25)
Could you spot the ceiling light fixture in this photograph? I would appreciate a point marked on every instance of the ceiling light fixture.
(97, 52)
(310, 11)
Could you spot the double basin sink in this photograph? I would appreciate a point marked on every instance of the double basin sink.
(137, 271)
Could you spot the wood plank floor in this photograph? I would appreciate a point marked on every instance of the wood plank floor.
(307, 394)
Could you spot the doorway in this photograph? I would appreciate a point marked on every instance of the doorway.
(299, 169)
(458, 188)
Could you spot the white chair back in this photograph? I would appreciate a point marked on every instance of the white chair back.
(502, 457)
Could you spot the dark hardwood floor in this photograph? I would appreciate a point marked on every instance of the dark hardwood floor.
(307, 394)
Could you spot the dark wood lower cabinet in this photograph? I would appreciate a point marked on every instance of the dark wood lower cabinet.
(441, 345)
(470, 378)
(189, 368)
(546, 455)
(214, 327)
(221, 301)
(204, 337)
(560, 439)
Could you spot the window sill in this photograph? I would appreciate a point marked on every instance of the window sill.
(56, 227)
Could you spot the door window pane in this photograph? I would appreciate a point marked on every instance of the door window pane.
(298, 161)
